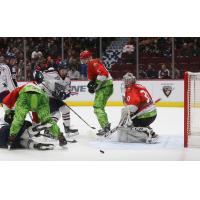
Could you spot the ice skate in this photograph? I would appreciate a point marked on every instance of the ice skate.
(70, 132)
(62, 140)
(105, 131)
(41, 146)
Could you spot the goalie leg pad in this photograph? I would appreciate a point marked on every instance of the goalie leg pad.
(129, 135)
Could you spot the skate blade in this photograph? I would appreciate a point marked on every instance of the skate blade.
(47, 148)
(71, 135)
(64, 147)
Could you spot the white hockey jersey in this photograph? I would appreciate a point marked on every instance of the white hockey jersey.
(54, 83)
(6, 79)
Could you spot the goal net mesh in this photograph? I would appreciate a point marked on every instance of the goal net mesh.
(192, 104)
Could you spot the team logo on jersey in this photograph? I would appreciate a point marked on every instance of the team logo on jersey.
(167, 90)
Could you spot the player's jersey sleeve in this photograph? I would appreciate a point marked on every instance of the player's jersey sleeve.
(8, 77)
(10, 82)
(96, 68)
(11, 98)
(50, 78)
(67, 83)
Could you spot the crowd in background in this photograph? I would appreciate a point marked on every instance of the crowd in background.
(47, 52)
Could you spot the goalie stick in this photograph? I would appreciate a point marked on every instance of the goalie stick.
(122, 121)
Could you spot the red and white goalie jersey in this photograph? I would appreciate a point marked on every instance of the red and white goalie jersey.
(139, 100)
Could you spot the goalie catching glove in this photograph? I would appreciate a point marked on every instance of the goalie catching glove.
(92, 85)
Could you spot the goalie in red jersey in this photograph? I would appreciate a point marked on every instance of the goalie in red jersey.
(100, 83)
(139, 112)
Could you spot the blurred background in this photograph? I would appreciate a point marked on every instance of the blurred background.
(146, 57)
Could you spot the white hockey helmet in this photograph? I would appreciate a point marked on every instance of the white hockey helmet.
(129, 79)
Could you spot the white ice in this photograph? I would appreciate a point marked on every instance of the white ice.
(169, 125)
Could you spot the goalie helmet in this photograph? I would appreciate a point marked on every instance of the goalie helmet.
(129, 79)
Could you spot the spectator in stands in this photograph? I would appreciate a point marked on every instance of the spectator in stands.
(186, 51)
(128, 54)
(142, 73)
(1, 59)
(36, 55)
(83, 71)
(50, 62)
(163, 72)
(29, 73)
(151, 72)
(74, 74)
(196, 51)
(20, 71)
(177, 74)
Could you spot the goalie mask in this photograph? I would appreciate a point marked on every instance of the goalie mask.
(129, 79)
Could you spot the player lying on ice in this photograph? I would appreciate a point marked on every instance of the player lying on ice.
(24, 138)
(30, 98)
(57, 85)
(137, 115)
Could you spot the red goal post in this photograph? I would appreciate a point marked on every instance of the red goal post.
(191, 109)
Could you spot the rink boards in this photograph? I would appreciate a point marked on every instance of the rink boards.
(170, 91)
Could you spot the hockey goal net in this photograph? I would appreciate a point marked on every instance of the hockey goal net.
(191, 109)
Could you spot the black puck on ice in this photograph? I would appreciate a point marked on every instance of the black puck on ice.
(101, 151)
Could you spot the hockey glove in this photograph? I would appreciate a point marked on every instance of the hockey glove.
(11, 141)
(60, 95)
(92, 85)
(9, 115)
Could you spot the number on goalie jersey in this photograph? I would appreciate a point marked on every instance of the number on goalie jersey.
(138, 96)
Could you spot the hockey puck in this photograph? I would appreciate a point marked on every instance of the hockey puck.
(102, 151)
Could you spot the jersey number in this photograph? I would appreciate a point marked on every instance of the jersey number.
(146, 95)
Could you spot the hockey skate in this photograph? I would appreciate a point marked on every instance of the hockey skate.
(62, 140)
(70, 132)
(104, 131)
(43, 147)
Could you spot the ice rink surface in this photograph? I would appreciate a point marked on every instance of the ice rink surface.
(169, 126)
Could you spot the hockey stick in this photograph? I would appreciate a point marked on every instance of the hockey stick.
(78, 115)
(122, 120)
(72, 110)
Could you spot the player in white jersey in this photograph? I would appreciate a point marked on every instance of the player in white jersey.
(7, 81)
(58, 86)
